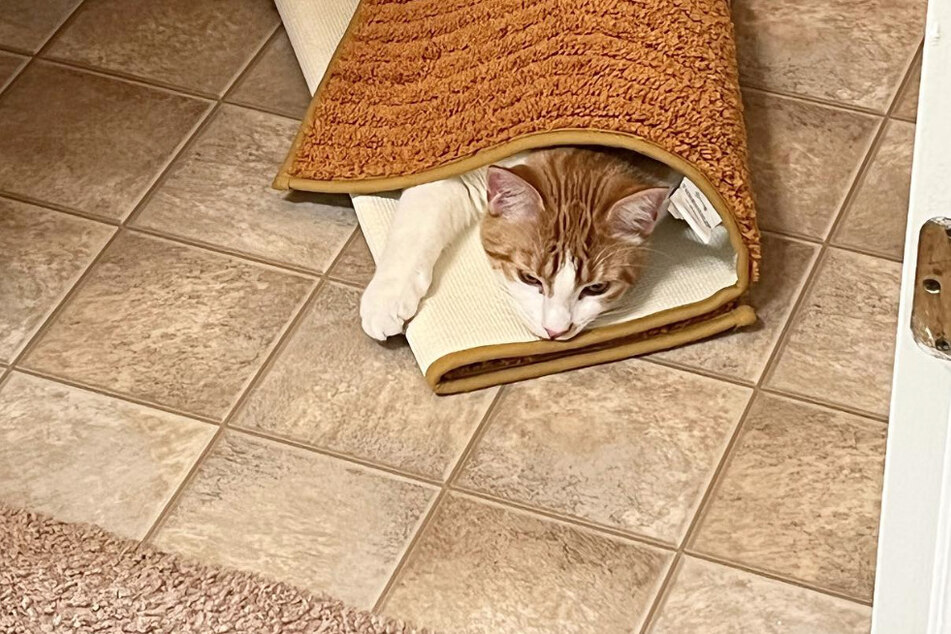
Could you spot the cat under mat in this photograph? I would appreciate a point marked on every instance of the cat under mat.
(567, 232)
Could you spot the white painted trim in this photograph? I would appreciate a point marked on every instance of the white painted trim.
(912, 591)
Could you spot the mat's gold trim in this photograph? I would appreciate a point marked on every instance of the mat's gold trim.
(740, 316)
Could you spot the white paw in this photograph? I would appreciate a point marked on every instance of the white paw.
(389, 301)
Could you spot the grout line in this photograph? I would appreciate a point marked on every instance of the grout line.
(258, 375)
(64, 300)
(223, 250)
(261, 109)
(762, 572)
(696, 370)
(13, 50)
(816, 101)
(177, 493)
(281, 342)
(349, 283)
(119, 396)
(431, 514)
(191, 140)
(59, 28)
(775, 354)
(817, 242)
(125, 78)
(36, 202)
(9, 80)
(571, 520)
(33, 55)
(811, 400)
(331, 453)
(698, 514)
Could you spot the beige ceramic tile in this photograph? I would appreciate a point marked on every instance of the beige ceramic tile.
(841, 343)
(714, 599)
(42, 254)
(800, 496)
(334, 387)
(355, 263)
(743, 354)
(480, 568)
(907, 107)
(275, 83)
(630, 444)
(875, 219)
(85, 457)
(803, 157)
(26, 24)
(170, 324)
(852, 53)
(220, 193)
(199, 46)
(296, 516)
(86, 141)
(9, 65)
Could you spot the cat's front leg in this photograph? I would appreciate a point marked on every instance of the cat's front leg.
(427, 219)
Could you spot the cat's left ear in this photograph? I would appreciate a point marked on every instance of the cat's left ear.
(633, 217)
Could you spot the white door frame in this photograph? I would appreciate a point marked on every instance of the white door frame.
(913, 581)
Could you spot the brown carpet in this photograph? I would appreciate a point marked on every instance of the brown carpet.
(58, 577)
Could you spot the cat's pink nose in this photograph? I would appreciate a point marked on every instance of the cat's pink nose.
(554, 334)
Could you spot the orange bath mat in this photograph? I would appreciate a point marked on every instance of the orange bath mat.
(419, 90)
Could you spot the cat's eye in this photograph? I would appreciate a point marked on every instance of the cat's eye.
(528, 278)
(598, 288)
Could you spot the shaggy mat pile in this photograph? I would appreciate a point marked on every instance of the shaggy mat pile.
(57, 577)
(419, 90)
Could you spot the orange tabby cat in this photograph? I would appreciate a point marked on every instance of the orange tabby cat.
(565, 229)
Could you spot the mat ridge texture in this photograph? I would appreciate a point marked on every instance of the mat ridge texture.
(59, 577)
(418, 85)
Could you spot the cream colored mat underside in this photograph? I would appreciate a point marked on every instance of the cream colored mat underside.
(466, 308)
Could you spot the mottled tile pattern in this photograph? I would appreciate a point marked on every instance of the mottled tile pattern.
(170, 324)
(852, 53)
(86, 141)
(42, 253)
(631, 444)
(220, 193)
(841, 343)
(334, 387)
(26, 24)
(199, 46)
(800, 496)
(875, 219)
(803, 157)
(355, 264)
(713, 599)
(86, 457)
(297, 516)
(743, 354)
(9, 65)
(479, 568)
(907, 106)
(275, 82)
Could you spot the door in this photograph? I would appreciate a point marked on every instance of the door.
(913, 581)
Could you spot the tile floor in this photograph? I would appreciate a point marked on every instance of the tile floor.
(180, 360)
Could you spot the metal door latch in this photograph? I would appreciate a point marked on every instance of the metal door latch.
(931, 308)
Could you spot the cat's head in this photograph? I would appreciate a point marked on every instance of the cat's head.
(567, 240)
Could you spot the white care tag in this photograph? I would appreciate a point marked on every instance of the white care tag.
(689, 203)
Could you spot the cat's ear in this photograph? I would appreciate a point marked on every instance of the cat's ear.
(633, 217)
(511, 196)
